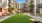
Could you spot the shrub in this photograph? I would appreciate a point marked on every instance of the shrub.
(11, 8)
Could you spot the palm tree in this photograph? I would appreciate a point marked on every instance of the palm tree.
(31, 6)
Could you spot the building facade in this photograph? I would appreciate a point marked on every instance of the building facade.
(4, 6)
(40, 6)
(20, 6)
(35, 3)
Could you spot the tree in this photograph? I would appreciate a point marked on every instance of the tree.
(11, 8)
(31, 6)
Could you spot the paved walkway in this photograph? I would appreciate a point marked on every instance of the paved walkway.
(35, 17)
(5, 17)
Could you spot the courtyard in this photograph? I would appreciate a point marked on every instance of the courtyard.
(18, 18)
(20, 11)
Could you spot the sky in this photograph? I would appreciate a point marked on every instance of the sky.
(20, 0)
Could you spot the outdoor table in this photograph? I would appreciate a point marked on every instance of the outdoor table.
(34, 21)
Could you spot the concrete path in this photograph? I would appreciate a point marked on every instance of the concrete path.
(5, 17)
(35, 17)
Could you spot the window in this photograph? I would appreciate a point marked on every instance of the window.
(0, 9)
(5, 4)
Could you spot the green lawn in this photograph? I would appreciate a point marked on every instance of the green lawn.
(18, 18)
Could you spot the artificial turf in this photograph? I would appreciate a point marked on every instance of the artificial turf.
(18, 18)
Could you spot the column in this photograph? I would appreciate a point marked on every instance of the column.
(34, 6)
(19, 7)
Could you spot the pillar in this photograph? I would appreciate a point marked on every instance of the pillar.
(34, 6)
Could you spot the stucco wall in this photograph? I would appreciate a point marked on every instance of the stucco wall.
(40, 10)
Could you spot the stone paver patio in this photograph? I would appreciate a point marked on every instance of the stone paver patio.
(35, 17)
